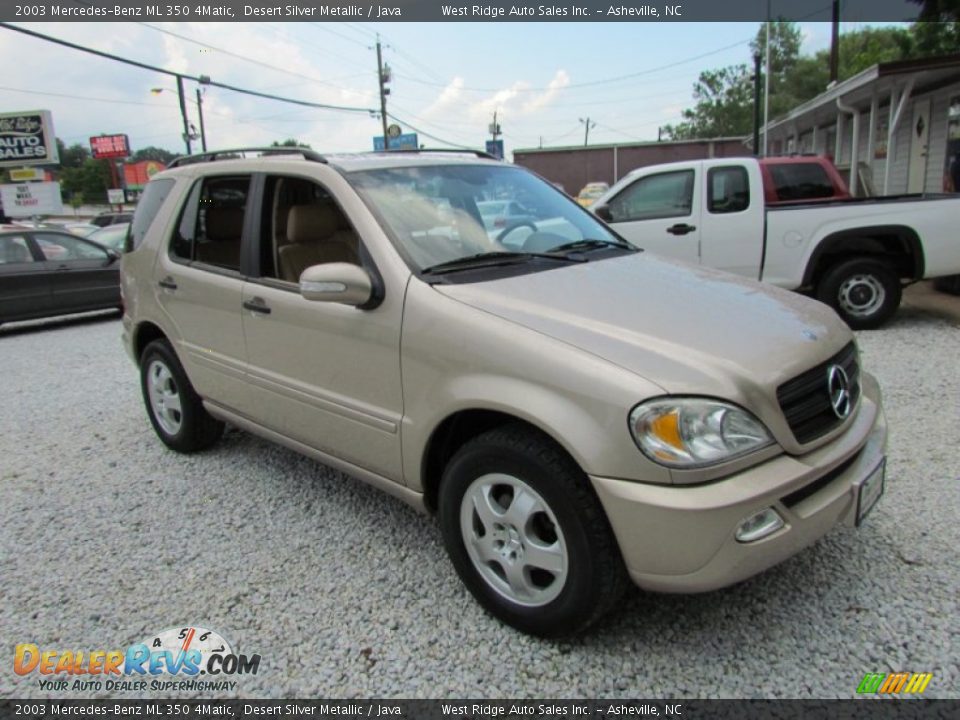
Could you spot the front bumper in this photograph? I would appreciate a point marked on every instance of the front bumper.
(681, 539)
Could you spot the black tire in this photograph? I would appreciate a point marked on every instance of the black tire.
(595, 577)
(864, 292)
(191, 428)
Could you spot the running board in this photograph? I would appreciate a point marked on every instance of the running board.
(411, 497)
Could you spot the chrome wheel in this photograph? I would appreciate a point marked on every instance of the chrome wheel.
(861, 295)
(514, 540)
(164, 397)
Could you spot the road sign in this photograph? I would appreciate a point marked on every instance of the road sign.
(115, 196)
(406, 141)
(495, 148)
(394, 131)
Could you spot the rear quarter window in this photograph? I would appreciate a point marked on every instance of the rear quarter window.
(150, 203)
(801, 181)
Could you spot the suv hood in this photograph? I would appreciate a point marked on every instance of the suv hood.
(685, 328)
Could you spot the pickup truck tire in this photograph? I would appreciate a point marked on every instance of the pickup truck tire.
(173, 406)
(527, 535)
(864, 292)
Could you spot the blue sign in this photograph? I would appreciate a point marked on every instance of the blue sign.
(406, 141)
(495, 148)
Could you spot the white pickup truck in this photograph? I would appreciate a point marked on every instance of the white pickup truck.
(854, 254)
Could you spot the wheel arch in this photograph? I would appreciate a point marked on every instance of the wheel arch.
(453, 432)
(145, 333)
(899, 245)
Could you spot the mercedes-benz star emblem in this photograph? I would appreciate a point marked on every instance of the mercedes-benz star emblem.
(838, 386)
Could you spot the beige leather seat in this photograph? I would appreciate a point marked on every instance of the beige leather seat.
(224, 228)
(314, 237)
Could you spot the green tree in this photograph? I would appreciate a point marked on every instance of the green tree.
(289, 142)
(73, 156)
(723, 106)
(153, 153)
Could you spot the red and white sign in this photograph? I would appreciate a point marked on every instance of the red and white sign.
(109, 146)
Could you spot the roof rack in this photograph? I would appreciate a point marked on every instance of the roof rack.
(467, 151)
(235, 153)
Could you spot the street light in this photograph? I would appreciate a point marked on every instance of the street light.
(190, 132)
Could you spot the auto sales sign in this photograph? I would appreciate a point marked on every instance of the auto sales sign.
(26, 138)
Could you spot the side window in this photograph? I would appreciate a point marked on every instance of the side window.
(211, 224)
(728, 190)
(801, 181)
(14, 250)
(64, 247)
(302, 226)
(665, 195)
(147, 208)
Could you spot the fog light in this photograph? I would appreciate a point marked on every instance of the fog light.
(759, 525)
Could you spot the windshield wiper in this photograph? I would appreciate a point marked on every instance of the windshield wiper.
(490, 259)
(591, 244)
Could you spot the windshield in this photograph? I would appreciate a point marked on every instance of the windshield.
(443, 213)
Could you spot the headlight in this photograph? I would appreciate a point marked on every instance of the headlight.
(694, 432)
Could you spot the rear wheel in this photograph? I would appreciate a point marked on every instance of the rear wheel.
(527, 535)
(175, 410)
(864, 292)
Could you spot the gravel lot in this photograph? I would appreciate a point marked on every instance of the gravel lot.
(107, 537)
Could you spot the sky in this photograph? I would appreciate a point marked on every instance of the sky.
(543, 80)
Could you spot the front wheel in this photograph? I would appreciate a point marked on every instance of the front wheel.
(175, 410)
(865, 293)
(527, 535)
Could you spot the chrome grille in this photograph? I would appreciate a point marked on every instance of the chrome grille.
(805, 400)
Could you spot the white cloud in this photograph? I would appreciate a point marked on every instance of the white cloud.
(450, 94)
(538, 102)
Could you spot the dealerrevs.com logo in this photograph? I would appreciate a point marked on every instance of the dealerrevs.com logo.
(174, 659)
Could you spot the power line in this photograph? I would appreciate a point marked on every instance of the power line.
(241, 57)
(591, 83)
(86, 98)
(426, 134)
(171, 73)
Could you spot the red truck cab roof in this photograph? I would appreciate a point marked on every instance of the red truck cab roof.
(801, 179)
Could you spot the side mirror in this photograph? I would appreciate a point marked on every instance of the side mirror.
(602, 212)
(336, 282)
(112, 256)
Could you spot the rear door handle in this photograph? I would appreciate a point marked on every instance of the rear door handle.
(167, 283)
(681, 229)
(257, 305)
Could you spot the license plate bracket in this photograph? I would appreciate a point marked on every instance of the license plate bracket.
(870, 491)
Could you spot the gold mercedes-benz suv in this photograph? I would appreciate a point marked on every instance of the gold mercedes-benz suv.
(576, 412)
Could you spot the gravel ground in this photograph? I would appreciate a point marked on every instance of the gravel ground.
(107, 537)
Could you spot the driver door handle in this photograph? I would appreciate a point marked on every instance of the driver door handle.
(681, 229)
(167, 283)
(257, 305)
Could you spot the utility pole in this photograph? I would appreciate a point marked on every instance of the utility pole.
(203, 132)
(756, 104)
(383, 73)
(586, 126)
(183, 114)
(766, 86)
(495, 131)
(835, 43)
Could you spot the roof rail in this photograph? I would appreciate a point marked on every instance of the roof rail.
(467, 151)
(235, 153)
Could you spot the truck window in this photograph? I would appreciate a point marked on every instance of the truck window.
(664, 195)
(801, 181)
(728, 190)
